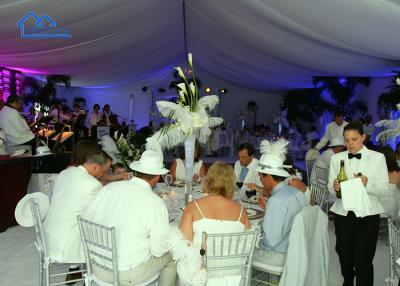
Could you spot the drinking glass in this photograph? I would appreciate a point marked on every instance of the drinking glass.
(167, 179)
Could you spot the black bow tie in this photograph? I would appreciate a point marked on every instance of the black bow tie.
(357, 156)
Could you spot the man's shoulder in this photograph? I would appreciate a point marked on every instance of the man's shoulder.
(76, 175)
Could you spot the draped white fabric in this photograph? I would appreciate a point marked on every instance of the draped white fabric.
(262, 44)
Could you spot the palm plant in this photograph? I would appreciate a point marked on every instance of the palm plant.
(34, 91)
(341, 91)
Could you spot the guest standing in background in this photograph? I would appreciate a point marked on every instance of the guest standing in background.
(369, 129)
(106, 114)
(333, 130)
(14, 126)
(357, 232)
(94, 119)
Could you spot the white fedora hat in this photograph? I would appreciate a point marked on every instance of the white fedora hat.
(337, 141)
(23, 213)
(149, 163)
(271, 165)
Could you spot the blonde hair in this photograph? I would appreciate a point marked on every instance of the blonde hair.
(220, 180)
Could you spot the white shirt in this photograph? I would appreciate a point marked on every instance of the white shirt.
(14, 127)
(372, 165)
(332, 131)
(58, 115)
(139, 216)
(94, 118)
(73, 189)
(252, 174)
(2, 143)
(180, 172)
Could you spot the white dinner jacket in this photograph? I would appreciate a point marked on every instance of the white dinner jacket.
(332, 131)
(73, 189)
(373, 166)
(252, 174)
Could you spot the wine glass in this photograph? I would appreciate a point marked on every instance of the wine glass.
(167, 179)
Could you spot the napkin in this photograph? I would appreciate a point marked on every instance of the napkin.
(355, 197)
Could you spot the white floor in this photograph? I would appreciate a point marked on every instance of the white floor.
(19, 261)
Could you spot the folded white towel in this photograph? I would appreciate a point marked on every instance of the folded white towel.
(355, 197)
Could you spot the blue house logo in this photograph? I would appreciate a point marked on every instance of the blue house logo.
(43, 28)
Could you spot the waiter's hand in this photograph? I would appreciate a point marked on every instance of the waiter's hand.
(336, 185)
(364, 179)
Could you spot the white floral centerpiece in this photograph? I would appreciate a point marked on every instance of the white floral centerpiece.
(127, 153)
(391, 128)
(190, 118)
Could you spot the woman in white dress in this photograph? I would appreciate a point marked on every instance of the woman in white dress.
(177, 169)
(214, 213)
(390, 200)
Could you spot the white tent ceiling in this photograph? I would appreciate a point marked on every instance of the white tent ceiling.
(266, 44)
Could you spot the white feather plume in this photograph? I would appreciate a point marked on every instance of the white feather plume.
(172, 110)
(209, 101)
(391, 129)
(277, 148)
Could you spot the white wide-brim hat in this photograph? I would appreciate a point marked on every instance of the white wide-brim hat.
(271, 165)
(149, 163)
(23, 213)
(337, 141)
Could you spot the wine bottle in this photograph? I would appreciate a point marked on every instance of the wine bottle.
(341, 177)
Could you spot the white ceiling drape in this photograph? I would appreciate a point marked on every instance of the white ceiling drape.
(261, 44)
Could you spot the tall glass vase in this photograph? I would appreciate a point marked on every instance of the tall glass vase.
(190, 143)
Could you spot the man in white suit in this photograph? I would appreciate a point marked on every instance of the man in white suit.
(245, 167)
(73, 189)
(140, 218)
(333, 130)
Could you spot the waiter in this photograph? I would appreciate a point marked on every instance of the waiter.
(14, 126)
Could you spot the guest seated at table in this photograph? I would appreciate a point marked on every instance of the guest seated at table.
(73, 189)
(177, 168)
(390, 199)
(140, 218)
(215, 213)
(79, 156)
(294, 179)
(282, 207)
(245, 167)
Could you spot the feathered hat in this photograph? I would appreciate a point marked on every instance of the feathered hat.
(273, 154)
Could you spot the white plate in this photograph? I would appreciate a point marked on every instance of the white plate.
(251, 212)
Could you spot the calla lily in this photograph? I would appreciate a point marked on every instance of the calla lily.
(180, 72)
(182, 87)
(190, 60)
(192, 88)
